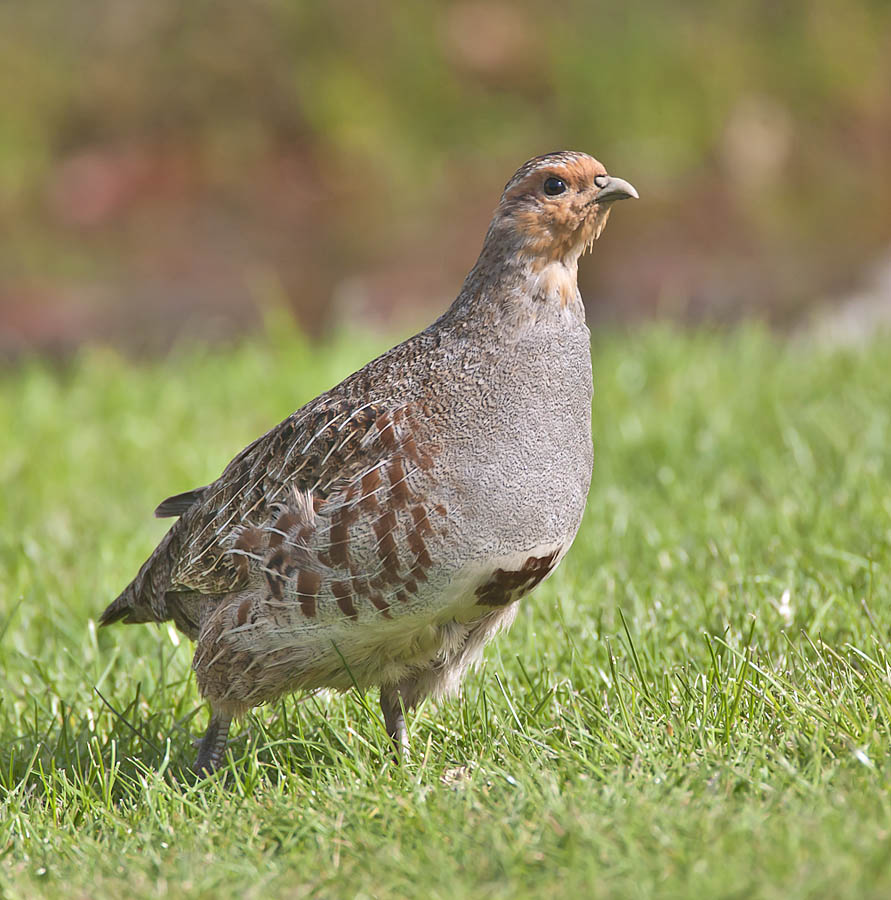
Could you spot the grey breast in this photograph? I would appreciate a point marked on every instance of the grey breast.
(517, 473)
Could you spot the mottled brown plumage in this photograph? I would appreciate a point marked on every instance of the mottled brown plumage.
(382, 534)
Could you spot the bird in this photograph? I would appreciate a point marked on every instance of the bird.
(383, 534)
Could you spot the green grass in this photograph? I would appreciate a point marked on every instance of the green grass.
(696, 704)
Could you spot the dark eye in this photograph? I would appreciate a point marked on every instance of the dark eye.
(554, 186)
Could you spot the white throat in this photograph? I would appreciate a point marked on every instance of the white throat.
(555, 281)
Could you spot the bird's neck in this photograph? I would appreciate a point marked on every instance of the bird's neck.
(509, 282)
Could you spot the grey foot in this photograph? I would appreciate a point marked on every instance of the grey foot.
(394, 719)
(213, 745)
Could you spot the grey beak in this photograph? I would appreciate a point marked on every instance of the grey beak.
(614, 189)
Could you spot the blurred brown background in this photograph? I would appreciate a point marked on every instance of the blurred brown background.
(169, 169)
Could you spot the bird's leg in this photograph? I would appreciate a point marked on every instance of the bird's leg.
(394, 719)
(213, 744)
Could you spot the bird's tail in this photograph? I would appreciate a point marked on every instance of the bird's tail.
(145, 598)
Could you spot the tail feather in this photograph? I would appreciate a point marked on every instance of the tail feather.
(116, 611)
(145, 598)
(179, 503)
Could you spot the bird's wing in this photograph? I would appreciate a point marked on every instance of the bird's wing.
(322, 450)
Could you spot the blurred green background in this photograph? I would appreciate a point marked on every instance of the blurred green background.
(170, 169)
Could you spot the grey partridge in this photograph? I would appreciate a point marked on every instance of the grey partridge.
(383, 533)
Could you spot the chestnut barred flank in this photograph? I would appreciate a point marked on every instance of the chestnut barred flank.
(382, 534)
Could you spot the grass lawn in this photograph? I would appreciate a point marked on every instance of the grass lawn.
(696, 704)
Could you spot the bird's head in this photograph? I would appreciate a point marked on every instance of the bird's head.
(556, 206)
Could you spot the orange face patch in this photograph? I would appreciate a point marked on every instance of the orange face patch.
(555, 227)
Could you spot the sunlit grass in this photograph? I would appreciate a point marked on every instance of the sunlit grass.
(696, 704)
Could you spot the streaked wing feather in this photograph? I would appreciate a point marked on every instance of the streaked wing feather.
(333, 450)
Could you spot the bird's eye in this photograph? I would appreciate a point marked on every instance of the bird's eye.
(554, 186)
(601, 180)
